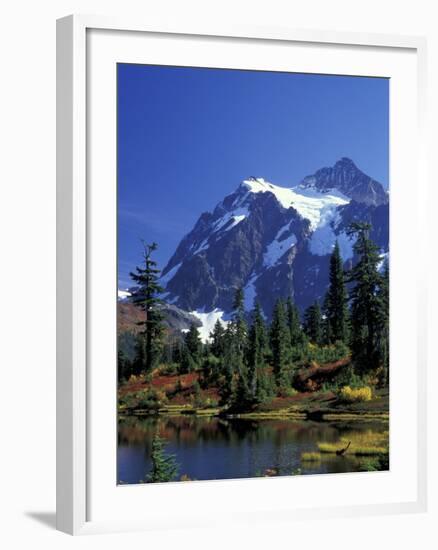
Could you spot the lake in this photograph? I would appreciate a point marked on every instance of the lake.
(215, 448)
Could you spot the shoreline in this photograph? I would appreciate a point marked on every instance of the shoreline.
(324, 415)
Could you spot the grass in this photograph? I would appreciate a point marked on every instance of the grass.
(364, 416)
(281, 414)
(367, 443)
(311, 457)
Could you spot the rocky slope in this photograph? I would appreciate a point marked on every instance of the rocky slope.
(274, 241)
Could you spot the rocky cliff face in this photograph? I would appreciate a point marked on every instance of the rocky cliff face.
(274, 241)
(347, 178)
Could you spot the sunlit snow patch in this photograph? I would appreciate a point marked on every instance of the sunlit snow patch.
(324, 238)
(309, 203)
(277, 248)
(235, 216)
(123, 294)
(208, 321)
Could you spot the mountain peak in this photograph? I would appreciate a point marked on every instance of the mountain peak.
(345, 161)
(273, 241)
(347, 178)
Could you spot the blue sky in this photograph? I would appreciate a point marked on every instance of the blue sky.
(188, 136)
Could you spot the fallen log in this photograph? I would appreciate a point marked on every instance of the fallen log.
(311, 377)
(341, 452)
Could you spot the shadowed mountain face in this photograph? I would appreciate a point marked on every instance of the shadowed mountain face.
(347, 178)
(274, 241)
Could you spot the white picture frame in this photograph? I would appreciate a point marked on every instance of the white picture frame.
(74, 220)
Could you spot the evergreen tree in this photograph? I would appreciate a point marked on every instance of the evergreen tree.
(336, 302)
(265, 386)
(146, 297)
(240, 329)
(280, 345)
(313, 324)
(236, 388)
(256, 350)
(227, 386)
(187, 363)
(366, 301)
(294, 324)
(139, 362)
(123, 365)
(217, 339)
(383, 329)
(177, 351)
(211, 370)
(164, 467)
(194, 344)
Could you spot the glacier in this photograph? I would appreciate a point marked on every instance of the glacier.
(208, 320)
(278, 247)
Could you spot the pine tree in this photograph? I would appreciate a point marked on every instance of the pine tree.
(265, 386)
(383, 329)
(139, 362)
(313, 324)
(366, 302)
(177, 351)
(336, 302)
(256, 350)
(187, 364)
(146, 297)
(164, 467)
(123, 365)
(236, 388)
(227, 387)
(239, 325)
(239, 331)
(280, 345)
(217, 339)
(294, 324)
(194, 344)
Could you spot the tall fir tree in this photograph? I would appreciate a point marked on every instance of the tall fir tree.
(383, 330)
(235, 366)
(256, 350)
(239, 325)
(138, 365)
(164, 466)
(124, 368)
(294, 323)
(366, 301)
(280, 345)
(313, 324)
(187, 363)
(147, 298)
(217, 337)
(227, 363)
(336, 301)
(193, 343)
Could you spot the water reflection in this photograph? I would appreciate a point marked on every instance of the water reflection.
(214, 448)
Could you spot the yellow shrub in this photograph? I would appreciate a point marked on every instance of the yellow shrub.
(354, 395)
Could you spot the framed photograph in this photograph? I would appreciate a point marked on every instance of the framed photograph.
(240, 275)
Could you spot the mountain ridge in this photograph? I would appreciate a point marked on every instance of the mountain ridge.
(274, 241)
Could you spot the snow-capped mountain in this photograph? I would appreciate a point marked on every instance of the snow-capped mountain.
(348, 179)
(274, 241)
